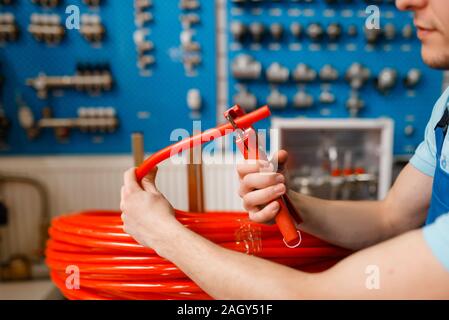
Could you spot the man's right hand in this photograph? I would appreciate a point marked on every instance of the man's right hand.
(261, 186)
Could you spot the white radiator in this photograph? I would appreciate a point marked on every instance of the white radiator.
(77, 183)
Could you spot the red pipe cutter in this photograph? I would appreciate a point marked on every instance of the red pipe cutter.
(247, 142)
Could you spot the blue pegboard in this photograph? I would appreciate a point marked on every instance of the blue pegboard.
(163, 95)
(405, 107)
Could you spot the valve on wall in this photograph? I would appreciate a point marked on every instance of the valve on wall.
(276, 99)
(276, 73)
(257, 31)
(296, 30)
(304, 73)
(92, 28)
(97, 120)
(245, 98)
(91, 78)
(245, 67)
(386, 80)
(143, 18)
(315, 31)
(46, 28)
(238, 30)
(9, 30)
(194, 101)
(189, 45)
(357, 75)
(412, 78)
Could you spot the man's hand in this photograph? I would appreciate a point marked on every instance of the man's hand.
(261, 186)
(147, 216)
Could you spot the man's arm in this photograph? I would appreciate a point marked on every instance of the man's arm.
(350, 224)
(225, 274)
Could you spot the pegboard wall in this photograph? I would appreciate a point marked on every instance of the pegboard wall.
(150, 99)
(264, 43)
(277, 51)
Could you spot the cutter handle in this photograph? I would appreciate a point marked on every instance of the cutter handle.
(284, 220)
(286, 225)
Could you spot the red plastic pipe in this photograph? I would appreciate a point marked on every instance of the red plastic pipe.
(204, 137)
(113, 266)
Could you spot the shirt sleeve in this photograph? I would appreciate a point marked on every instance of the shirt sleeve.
(437, 237)
(424, 158)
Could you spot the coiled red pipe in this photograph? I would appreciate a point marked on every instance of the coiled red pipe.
(113, 266)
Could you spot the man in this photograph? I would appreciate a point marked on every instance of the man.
(406, 235)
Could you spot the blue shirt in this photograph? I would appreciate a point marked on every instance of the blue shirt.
(436, 234)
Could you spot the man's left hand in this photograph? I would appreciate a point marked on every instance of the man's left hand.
(146, 214)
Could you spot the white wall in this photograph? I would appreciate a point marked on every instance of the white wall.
(77, 183)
